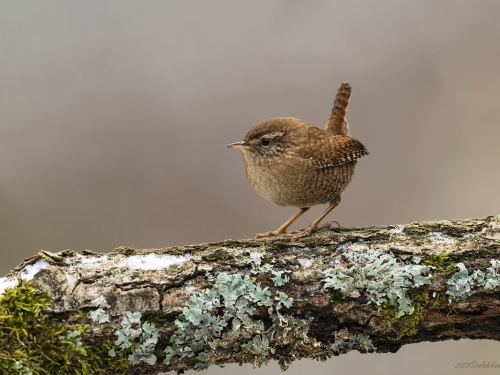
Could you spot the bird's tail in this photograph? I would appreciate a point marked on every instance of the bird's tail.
(337, 123)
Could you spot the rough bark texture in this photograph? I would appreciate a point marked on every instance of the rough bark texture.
(314, 323)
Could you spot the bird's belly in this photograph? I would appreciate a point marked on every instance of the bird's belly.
(297, 187)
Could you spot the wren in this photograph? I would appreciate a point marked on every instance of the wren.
(292, 163)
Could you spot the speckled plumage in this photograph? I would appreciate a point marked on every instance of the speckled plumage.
(300, 164)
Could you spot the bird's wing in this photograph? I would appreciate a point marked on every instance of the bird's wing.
(334, 150)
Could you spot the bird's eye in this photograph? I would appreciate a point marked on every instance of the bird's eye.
(265, 141)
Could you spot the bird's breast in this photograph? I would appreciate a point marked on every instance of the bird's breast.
(290, 181)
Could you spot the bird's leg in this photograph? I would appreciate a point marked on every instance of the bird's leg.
(313, 227)
(282, 229)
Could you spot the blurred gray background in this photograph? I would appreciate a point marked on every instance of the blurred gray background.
(114, 116)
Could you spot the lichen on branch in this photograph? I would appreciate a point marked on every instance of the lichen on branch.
(252, 301)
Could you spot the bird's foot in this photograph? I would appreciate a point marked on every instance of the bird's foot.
(274, 233)
(278, 232)
(298, 234)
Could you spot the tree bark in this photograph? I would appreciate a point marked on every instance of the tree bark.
(368, 289)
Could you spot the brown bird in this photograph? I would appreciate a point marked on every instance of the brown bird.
(292, 163)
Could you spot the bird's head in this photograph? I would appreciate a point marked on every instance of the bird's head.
(272, 138)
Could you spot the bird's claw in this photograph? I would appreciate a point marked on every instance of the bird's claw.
(306, 232)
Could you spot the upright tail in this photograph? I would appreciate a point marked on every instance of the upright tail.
(337, 123)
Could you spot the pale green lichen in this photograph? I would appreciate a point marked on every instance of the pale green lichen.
(99, 315)
(148, 341)
(143, 339)
(284, 299)
(461, 285)
(258, 268)
(345, 342)
(259, 345)
(218, 322)
(256, 263)
(256, 258)
(200, 330)
(416, 260)
(279, 280)
(492, 279)
(130, 332)
(100, 302)
(377, 275)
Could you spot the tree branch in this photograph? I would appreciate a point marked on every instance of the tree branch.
(251, 301)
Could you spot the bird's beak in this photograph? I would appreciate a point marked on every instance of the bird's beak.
(240, 144)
